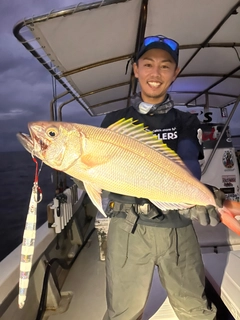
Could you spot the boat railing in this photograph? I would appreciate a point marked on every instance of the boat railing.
(48, 238)
(221, 135)
(60, 212)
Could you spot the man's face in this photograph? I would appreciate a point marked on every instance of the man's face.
(155, 70)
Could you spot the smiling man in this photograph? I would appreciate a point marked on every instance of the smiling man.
(140, 235)
(156, 70)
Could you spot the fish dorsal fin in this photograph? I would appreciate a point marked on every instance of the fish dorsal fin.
(139, 132)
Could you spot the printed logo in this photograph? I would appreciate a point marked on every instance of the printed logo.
(228, 180)
(228, 159)
(166, 134)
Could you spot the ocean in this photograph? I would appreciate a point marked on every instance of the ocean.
(17, 171)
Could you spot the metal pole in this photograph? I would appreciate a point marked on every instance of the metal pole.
(59, 118)
(52, 103)
(221, 135)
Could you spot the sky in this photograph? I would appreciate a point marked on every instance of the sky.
(25, 85)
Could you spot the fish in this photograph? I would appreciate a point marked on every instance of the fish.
(124, 158)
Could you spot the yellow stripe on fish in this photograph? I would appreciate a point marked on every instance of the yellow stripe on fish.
(140, 133)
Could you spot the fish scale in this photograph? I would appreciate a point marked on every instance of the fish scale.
(125, 158)
(124, 165)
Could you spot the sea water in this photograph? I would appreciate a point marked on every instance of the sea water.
(17, 171)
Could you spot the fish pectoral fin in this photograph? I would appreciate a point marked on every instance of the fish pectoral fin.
(170, 206)
(94, 193)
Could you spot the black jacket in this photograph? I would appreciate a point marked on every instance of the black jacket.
(171, 127)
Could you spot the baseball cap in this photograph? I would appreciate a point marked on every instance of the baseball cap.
(159, 42)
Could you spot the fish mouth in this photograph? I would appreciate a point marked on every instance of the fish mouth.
(40, 144)
(26, 141)
(32, 143)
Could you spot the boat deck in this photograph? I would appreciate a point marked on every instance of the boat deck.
(86, 281)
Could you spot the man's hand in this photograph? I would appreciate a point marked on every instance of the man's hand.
(206, 215)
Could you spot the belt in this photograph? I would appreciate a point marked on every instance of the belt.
(132, 211)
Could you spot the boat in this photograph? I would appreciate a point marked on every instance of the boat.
(88, 48)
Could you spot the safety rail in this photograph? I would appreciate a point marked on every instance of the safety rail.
(60, 211)
(102, 225)
(221, 135)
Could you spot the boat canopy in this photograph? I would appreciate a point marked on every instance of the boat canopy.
(88, 48)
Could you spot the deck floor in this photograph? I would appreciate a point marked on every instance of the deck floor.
(86, 280)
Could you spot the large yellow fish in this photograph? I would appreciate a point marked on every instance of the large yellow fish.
(124, 158)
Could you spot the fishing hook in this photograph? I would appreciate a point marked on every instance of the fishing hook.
(36, 189)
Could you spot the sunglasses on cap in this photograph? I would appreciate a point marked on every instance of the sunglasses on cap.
(160, 42)
(169, 42)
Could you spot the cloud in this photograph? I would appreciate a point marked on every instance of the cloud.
(25, 85)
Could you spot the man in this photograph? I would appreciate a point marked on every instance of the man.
(140, 236)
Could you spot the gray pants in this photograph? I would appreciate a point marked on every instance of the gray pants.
(130, 263)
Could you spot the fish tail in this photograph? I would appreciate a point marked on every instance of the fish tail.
(232, 206)
(229, 214)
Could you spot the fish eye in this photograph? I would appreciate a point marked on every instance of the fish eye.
(52, 132)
